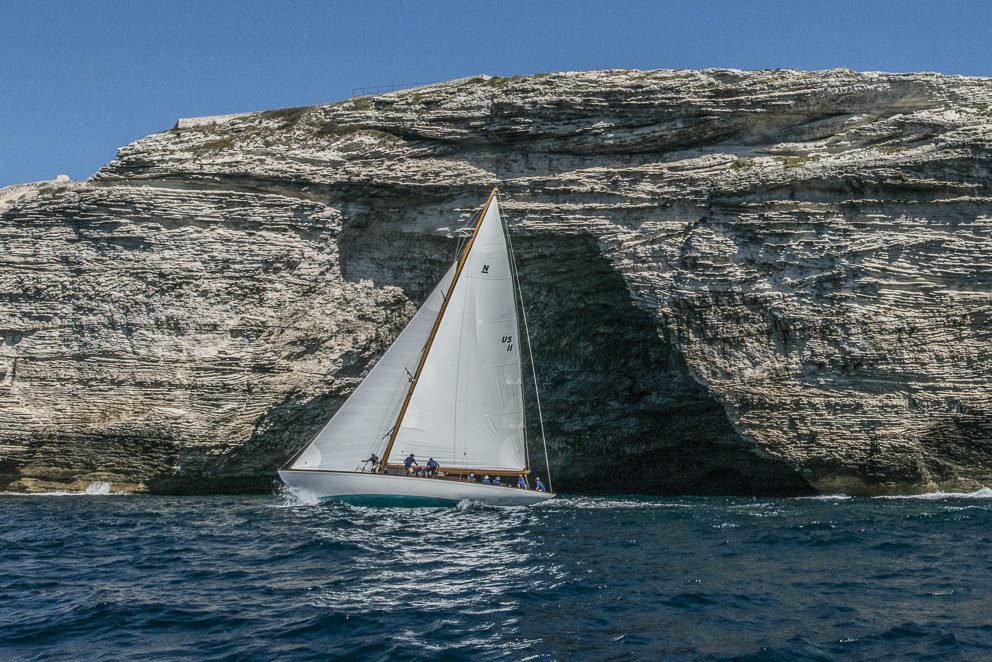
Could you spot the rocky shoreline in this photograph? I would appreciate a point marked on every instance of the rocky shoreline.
(773, 282)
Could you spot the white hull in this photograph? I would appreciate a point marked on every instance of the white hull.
(384, 489)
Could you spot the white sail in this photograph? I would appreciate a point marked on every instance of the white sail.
(466, 410)
(364, 422)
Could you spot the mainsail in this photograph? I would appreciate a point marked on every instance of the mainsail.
(466, 407)
(466, 410)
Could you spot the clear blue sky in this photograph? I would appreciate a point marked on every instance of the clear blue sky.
(81, 79)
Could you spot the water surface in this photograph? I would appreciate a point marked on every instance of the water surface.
(106, 577)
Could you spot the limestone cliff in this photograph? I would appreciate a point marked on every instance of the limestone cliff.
(768, 282)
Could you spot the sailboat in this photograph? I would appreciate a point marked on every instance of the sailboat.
(449, 389)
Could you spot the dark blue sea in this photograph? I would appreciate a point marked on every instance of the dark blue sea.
(113, 577)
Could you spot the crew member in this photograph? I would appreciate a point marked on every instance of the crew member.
(409, 463)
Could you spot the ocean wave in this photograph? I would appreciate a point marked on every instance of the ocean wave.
(613, 503)
(588, 578)
(294, 497)
(983, 493)
(99, 488)
(825, 497)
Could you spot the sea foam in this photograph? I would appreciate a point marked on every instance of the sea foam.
(983, 493)
(291, 497)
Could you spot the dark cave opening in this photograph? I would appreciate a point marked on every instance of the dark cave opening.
(622, 414)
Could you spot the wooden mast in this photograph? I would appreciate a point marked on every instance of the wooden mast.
(437, 324)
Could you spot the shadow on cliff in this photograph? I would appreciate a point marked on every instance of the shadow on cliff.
(622, 414)
(250, 467)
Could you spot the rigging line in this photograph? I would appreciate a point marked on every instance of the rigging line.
(505, 227)
(530, 351)
(462, 238)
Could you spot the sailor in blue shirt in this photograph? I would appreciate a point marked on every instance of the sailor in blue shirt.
(521, 483)
(485, 481)
(408, 463)
(432, 467)
(496, 481)
(471, 478)
(540, 486)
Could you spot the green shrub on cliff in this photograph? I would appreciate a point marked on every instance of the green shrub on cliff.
(797, 161)
(215, 145)
(499, 82)
(743, 164)
(288, 116)
(363, 103)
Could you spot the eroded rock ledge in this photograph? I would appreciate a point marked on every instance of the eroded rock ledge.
(768, 282)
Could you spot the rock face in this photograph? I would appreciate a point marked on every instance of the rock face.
(737, 282)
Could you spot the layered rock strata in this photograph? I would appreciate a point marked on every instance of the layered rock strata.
(768, 282)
